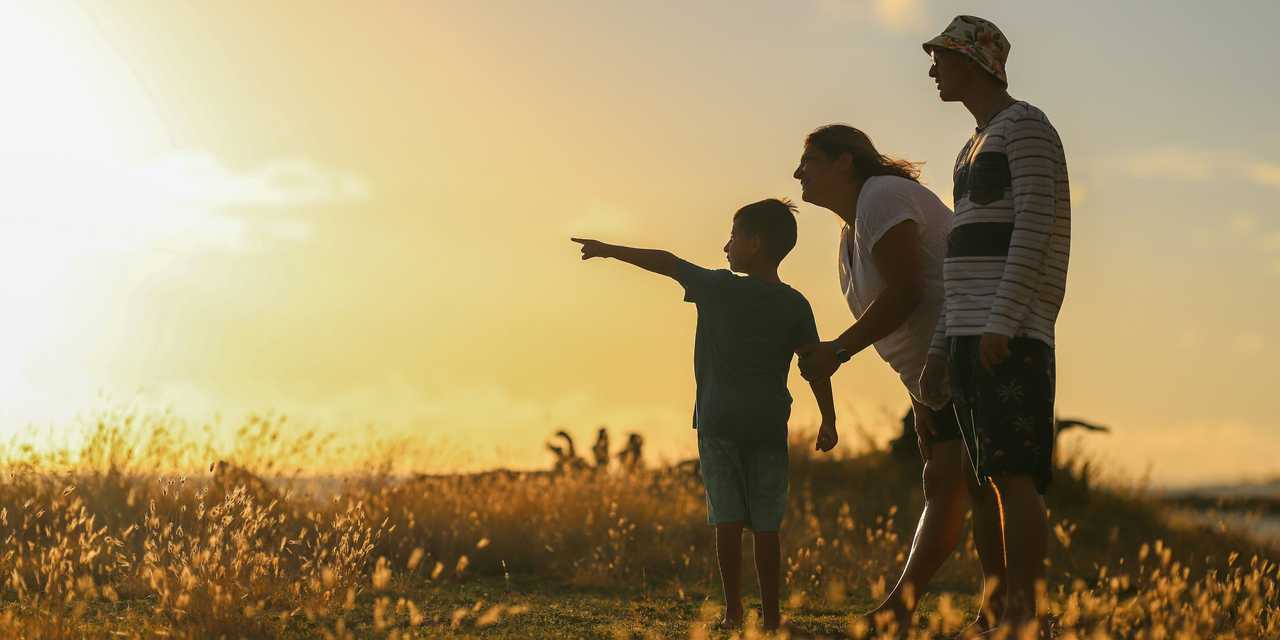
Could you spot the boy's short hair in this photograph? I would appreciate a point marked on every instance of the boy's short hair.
(773, 221)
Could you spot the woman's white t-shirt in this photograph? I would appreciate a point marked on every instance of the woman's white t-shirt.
(885, 202)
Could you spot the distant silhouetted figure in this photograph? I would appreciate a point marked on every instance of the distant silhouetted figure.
(630, 457)
(566, 457)
(601, 449)
(1063, 425)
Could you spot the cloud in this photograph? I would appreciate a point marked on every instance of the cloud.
(1177, 164)
(183, 201)
(1249, 343)
(898, 16)
(200, 178)
(1247, 227)
(1199, 166)
(1265, 174)
(1271, 242)
(1244, 222)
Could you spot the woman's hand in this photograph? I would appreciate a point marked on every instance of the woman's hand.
(935, 382)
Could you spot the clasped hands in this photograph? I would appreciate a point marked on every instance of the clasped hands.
(818, 361)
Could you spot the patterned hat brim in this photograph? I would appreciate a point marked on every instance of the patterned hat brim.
(945, 41)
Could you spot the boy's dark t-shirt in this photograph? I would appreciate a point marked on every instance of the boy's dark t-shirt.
(748, 330)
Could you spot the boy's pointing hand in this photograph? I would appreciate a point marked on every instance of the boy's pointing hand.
(591, 248)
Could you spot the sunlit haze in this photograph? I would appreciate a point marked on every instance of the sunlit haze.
(358, 214)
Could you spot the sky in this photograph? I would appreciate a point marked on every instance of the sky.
(358, 216)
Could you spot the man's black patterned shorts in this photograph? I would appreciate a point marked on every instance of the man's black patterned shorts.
(1006, 415)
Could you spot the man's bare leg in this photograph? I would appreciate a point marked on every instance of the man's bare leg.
(988, 538)
(1026, 535)
(729, 558)
(937, 533)
(768, 552)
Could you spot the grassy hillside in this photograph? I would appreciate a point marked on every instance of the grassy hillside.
(101, 545)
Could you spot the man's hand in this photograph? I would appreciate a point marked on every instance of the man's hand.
(935, 381)
(818, 361)
(993, 350)
(592, 248)
(827, 436)
(925, 433)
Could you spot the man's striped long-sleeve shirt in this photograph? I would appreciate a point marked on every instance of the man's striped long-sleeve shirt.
(1006, 266)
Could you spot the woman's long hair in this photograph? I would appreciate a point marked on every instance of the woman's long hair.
(835, 139)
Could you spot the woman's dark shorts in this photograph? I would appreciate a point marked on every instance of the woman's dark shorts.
(1006, 415)
(944, 424)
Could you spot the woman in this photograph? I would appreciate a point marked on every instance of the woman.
(890, 264)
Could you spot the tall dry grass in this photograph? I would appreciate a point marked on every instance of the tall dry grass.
(144, 533)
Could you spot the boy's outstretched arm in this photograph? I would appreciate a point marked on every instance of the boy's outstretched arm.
(827, 436)
(655, 260)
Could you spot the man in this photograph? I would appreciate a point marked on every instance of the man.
(1005, 279)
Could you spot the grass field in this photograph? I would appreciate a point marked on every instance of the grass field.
(116, 541)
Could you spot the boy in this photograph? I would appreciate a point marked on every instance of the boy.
(748, 328)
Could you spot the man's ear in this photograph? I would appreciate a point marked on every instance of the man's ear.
(975, 69)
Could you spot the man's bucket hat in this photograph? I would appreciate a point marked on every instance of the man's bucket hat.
(978, 39)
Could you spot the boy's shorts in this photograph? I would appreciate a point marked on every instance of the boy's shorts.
(744, 482)
(1006, 415)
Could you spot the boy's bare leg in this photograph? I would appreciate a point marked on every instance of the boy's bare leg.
(729, 558)
(937, 534)
(768, 552)
(1026, 535)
